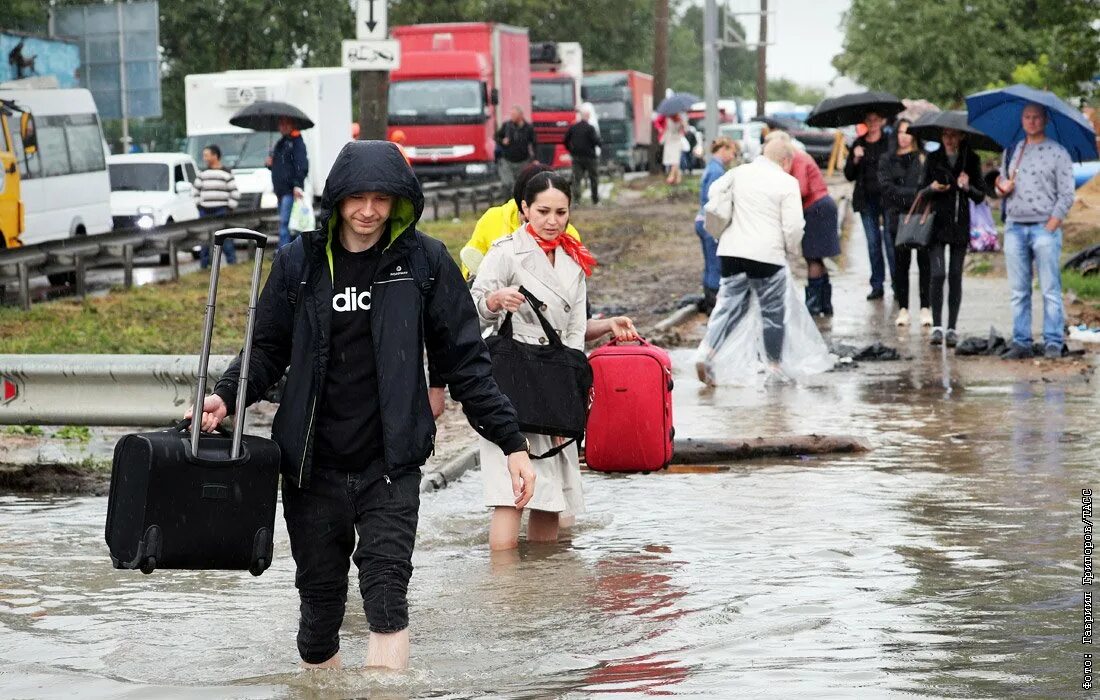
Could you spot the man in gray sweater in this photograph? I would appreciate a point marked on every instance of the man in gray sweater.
(1036, 183)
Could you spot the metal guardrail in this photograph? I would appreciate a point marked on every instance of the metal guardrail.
(74, 257)
(123, 390)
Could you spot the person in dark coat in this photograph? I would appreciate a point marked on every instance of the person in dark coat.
(954, 179)
(348, 313)
(582, 141)
(289, 164)
(862, 168)
(901, 177)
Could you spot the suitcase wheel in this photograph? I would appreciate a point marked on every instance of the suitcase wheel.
(149, 565)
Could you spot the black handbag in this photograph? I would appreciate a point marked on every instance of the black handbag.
(549, 385)
(915, 228)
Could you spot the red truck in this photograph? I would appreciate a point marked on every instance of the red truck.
(624, 106)
(455, 88)
(556, 73)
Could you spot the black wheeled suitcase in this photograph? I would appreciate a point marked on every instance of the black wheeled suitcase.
(186, 500)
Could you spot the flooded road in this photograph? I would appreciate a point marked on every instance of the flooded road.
(945, 563)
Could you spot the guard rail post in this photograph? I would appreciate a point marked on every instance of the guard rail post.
(173, 260)
(435, 208)
(79, 271)
(24, 286)
(128, 265)
(456, 199)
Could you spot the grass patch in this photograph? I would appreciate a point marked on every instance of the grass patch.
(24, 430)
(981, 266)
(163, 318)
(77, 433)
(662, 191)
(1085, 287)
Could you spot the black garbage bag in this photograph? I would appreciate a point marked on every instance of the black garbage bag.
(870, 353)
(993, 344)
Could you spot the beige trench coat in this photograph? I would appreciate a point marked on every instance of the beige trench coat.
(516, 261)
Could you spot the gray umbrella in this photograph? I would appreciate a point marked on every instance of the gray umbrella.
(930, 128)
(265, 116)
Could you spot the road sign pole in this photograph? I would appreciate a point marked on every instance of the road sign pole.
(373, 57)
(122, 82)
(374, 87)
(710, 72)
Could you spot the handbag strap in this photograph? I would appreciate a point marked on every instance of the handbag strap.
(551, 334)
(554, 452)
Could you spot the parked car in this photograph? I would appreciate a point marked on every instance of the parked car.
(817, 142)
(151, 189)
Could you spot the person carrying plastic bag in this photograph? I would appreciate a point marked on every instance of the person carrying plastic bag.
(759, 329)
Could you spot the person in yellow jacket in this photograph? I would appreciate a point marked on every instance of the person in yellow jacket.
(500, 221)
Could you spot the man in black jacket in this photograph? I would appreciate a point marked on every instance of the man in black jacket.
(582, 140)
(862, 168)
(351, 308)
(517, 142)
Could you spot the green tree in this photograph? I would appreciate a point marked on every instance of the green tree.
(787, 89)
(945, 50)
(737, 66)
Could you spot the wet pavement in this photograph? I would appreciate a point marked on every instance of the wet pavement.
(944, 563)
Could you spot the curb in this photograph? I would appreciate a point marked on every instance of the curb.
(452, 470)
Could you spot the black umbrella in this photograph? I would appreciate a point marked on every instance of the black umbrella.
(265, 116)
(930, 128)
(677, 102)
(852, 109)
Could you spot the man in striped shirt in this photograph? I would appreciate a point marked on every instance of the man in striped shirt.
(215, 193)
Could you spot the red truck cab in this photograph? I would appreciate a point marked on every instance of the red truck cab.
(557, 71)
(454, 89)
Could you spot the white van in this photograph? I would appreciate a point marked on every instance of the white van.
(151, 189)
(65, 188)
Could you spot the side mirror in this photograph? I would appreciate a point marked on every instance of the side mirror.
(183, 188)
(28, 134)
(494, 97)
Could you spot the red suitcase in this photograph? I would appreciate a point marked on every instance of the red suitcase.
(630, 424)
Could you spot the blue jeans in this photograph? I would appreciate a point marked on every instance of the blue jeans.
(879, 238)
(1025, 244)
(712, 274)
(286, 203)
(228, 249)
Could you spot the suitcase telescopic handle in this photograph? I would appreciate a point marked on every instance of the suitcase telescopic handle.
(240, 234)
(208, 331)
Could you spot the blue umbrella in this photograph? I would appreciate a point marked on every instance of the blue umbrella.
(676, 103)
(996, 113)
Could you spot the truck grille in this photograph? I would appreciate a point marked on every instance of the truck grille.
(250, 201)
(550, 132)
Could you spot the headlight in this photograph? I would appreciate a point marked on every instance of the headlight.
(477, 169)
(146, 221)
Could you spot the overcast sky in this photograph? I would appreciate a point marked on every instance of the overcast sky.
(806, 35)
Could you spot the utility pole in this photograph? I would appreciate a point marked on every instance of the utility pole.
(710, 72)
(660, 76)
(762, 61)
(374, 94)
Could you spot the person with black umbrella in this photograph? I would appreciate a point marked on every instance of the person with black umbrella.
(862, 168)
(289, 166)
(954, 179)
(901, 177)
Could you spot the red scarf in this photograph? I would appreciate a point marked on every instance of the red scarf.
(572, 247)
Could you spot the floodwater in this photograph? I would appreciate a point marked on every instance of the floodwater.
(944, 563)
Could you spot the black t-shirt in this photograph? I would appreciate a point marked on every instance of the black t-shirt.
(349, 422)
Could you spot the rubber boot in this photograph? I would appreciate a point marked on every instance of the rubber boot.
(815, 297)
(826, 295)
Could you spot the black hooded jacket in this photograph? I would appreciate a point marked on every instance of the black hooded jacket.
(293, 328)
(952, 206)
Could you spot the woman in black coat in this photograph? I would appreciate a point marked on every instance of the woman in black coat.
(954, 177)
(901, 177)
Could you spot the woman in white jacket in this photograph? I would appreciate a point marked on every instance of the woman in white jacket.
(554, 268)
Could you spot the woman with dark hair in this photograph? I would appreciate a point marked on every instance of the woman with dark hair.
(553, 266)
(901, 176)
(954, 178)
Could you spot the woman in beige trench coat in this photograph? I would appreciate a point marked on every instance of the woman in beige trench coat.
(554, 268)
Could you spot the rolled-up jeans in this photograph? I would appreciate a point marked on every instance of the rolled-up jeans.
(323, 520)
(712, 274)
(1027, 243)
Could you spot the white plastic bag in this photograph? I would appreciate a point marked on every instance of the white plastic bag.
(301, 217)
(733, 350)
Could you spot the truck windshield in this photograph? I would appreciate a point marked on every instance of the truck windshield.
(436, 101)
(240, 150)
(610, 110)
(552, 96)
(138, 177)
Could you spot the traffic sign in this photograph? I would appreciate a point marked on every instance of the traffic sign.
(371, 55)
(370, 19)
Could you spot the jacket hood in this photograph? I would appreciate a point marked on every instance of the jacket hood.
(373, 166)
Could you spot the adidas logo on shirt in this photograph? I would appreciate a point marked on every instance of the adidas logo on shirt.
(349, 300)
